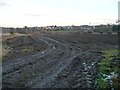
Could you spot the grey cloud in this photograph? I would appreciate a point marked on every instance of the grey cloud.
(33, 15)
(3, 4)
(39, 15)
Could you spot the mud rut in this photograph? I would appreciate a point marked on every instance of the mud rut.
(59, 66)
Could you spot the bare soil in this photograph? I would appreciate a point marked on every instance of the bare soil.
(55, 60)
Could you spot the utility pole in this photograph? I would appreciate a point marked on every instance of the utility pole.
(118, 39)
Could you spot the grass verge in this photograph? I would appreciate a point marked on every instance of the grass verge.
(109, 70)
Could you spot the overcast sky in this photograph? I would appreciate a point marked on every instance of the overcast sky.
(18, 13)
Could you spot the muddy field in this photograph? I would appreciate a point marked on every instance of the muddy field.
(54, 60)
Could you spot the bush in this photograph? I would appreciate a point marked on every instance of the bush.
(116, 28)
(11, 33)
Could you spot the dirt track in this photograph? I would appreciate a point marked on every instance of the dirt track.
(62, 61)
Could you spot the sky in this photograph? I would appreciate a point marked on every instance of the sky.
(19, 13)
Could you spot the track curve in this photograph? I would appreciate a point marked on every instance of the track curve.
(59, 65)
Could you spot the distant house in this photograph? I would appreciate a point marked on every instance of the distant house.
(87, 28)
(103, 28)
(8, 30)
(67, 27)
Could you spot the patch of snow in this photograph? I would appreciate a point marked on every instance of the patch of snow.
(33, 74)
(84, 63)
(53, 47)
(108, 77)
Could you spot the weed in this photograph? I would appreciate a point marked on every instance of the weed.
(108, 70)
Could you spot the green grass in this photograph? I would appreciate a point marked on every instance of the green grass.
(103, 83)
(107, 66)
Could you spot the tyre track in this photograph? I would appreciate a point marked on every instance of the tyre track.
(60, 65)
(21, 62)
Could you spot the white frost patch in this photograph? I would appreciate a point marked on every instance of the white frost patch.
(93, 64)
(83, 63)
(89, 67)
(42, 52)
(53, 47)
(112, 75)
(33, 74)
